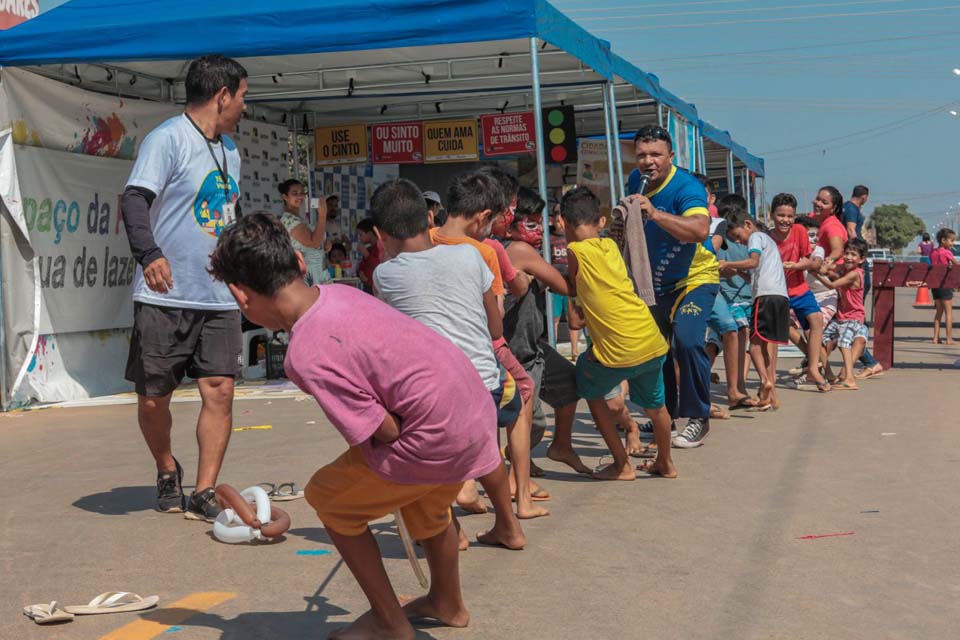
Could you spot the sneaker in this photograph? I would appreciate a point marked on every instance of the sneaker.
(203, 506)
(800, 370)
(170, 497)
(647, 427)
(693, 434)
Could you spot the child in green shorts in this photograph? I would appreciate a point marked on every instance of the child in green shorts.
(627, 345)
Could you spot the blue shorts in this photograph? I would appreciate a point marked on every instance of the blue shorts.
(721, 317)
(594, 380)
(741, 312)
(804, 305)
(559, 305)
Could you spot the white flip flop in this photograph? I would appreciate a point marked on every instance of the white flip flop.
(47, 613)
(114, 602)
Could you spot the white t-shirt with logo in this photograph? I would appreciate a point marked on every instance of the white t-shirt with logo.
(187, 216)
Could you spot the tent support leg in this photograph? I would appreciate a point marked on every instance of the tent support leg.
(617, 154)
(541, 169)
(608, 131)
(731, 184)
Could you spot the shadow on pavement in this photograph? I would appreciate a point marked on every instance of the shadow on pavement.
(264, 625)
(119, 501)
(385, 533)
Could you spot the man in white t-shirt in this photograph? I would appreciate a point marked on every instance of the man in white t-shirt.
(182, 192)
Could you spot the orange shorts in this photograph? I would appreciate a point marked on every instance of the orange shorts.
(347, 496)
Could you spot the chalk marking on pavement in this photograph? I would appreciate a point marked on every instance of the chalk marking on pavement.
(261, 427)
(827, 535)
(156, 622)
(313, 552)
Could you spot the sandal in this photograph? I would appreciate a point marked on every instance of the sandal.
(278, 493)
(744, 403)
(649, 452)
(824, 387)
(47, 613)
(875, 371)
(114, 602)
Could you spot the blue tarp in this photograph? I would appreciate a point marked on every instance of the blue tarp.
(127, 30)
(723, 138)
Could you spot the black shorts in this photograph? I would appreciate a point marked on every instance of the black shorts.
(771, 319)
(168, 343)
(942, 294)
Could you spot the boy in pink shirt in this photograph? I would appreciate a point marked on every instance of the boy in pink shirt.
(416, 427)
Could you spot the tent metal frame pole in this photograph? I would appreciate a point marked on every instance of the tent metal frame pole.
(731, 178)
(617, 153)
(296, 160)
(310, 186)
(611, 170)
(541, 170)
(702, 150)
(751, 203)
(659, 114)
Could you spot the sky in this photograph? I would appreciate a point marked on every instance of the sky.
(840, 92)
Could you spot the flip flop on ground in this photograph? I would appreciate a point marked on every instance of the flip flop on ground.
(47, 613)
(114, 602)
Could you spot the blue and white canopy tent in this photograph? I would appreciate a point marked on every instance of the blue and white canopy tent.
(311, 62)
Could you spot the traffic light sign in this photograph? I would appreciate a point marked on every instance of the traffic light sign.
(560, 134)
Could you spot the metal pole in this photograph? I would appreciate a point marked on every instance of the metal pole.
(296, 158)
(751, 203)
(731, 184)
(541, 170)
(703, 152)
(611, 170)
(659, 114)
(617, 154)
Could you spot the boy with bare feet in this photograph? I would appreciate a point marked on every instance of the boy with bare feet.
(627, 345)
(449, 289)
(771, 306)
(416, 427)
(848, 329)
(474, 201)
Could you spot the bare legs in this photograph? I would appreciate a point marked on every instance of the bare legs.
(386, 619)
(213, 428)
(561, 449)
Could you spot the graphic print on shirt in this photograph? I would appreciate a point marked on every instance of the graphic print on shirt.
(208, 204)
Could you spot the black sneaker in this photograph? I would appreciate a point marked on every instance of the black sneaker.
(170, 498)
(203, 506)
(693, 434)
(647, 427)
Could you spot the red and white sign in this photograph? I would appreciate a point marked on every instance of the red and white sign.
(397, 143)
(13, 12)
(506, 134)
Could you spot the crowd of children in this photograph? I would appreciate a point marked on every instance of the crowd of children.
(451, 346)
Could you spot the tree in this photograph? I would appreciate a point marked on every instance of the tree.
(895, 226)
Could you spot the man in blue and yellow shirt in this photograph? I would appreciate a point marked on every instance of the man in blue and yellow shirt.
(686, 276)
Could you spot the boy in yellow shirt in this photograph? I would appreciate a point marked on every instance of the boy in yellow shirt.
(627, 345)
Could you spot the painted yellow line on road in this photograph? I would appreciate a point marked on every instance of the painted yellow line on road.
(156, 622)
(259, 427)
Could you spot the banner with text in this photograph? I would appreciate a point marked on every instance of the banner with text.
(508, 134)
(343, 144)
(72, 213)
(397, 143)
(54, 115)
(450, 141)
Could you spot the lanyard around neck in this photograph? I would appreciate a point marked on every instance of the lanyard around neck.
(224, 176)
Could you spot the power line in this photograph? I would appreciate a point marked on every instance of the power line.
(807, 47)
(692, 25)
(821, 5)
(649, 6)
(913, 118)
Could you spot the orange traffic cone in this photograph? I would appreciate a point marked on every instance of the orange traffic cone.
(923, 298)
